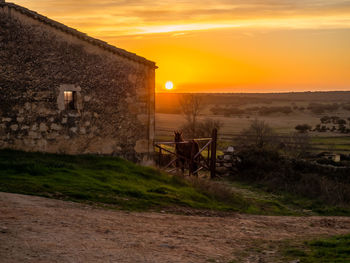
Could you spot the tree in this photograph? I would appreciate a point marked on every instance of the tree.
(296, 144)
(303, 128)
(258, 135)
(342, 128)
(206, 127)
(335, 119)
(203, 128)
(325, 119)
(341, 122)
(191, 106)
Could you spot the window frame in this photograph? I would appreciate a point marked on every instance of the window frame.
(70, 101)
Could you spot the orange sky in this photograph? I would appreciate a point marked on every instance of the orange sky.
(223, 45)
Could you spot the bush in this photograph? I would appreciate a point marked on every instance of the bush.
(278, 173)
(303, 128)
(319, 108)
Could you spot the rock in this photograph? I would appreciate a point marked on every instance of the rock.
(20, 119)
(34, 135)
(227, 157)
(230, 149)
(228, 165)
(42, 127)
(56, 127)
(27, 106)
(52, 136)
(14, 127)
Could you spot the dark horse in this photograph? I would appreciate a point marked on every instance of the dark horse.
(186, 151)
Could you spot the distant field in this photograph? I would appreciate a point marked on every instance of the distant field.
(283, 125)
(166, 123)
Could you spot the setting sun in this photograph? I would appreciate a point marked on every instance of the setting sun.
(169, 85)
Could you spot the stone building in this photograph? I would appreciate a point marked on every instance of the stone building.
(62, 91)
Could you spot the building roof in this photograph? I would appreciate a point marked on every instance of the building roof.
(78, 34)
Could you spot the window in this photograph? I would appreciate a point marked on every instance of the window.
(70, 100)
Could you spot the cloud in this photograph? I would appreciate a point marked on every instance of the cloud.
(132, 17)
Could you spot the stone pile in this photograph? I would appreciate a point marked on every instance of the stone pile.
(226, 164)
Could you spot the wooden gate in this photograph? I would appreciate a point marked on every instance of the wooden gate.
(208, 162)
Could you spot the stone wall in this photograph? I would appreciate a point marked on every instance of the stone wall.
(115, 95)
(226, 164)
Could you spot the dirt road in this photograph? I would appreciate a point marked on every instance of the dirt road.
(35, 229)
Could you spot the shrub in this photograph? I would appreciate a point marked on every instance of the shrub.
(303, 128)
(278, 173)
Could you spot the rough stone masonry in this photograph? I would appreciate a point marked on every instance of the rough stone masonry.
(62, 91)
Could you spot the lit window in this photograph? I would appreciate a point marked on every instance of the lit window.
(70, 100)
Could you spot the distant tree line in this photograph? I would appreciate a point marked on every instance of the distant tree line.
(263, 111)
(327, 123)
(319, 108)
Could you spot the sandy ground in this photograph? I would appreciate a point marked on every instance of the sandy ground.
(35, 229)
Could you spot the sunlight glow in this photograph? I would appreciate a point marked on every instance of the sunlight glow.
(221, 45)
(169, 85)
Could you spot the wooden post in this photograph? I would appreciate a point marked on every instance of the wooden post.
(213, 153)
(160, 157)
(208, 157)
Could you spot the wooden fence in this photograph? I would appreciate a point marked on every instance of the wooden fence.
(208, 162)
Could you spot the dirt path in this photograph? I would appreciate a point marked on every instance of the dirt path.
(35, 229)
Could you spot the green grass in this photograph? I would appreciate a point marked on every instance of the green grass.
(285, 203)
(329, 250)
(122, 184)
(106, 180)
(339, 144)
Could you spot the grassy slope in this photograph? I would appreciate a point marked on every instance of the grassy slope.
(329, 250)
(114, 181)
(294, 204)
(98, 179)
(120, 183)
